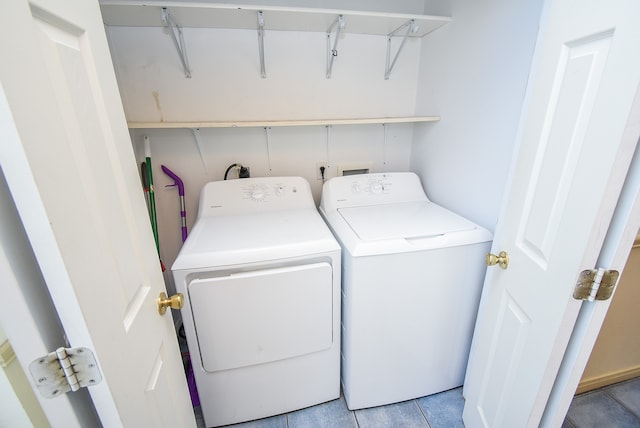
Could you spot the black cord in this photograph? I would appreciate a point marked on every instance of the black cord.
(229, 169)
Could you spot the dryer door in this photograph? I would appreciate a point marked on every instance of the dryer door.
(261, 316)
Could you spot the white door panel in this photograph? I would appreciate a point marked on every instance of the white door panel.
(564, 187)
(74, 179)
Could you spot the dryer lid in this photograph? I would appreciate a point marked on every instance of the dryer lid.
(403, 220)
(249, 238)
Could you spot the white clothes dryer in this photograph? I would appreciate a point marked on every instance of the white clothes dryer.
(260, 274)
(412, 274)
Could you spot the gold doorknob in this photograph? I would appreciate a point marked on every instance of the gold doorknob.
(501, 259)
(174, 302)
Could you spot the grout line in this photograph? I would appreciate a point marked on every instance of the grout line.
(571, 422)
(606, 391)
(424, 415)
(352, 412)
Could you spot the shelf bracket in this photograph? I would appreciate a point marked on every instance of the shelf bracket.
(198, 138)
(411, 27)
(263, 73)
(178, 40)
(332, 50)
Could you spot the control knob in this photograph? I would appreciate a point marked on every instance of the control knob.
(376, 188)
(257, 193)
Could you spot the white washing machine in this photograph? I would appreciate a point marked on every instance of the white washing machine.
(412, 274)
(260, 274)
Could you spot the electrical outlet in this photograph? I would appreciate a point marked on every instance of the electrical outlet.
(320, 165)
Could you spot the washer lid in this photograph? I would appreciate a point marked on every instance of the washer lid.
(403, 220)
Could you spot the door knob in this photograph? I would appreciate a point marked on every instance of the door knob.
(174, 302)
(501, 259)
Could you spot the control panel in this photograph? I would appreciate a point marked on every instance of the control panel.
(368, 189)
(250, 195)
(372, 183)
(263, 192)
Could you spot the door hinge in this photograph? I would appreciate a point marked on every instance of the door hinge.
(66, 369)
(595, 284)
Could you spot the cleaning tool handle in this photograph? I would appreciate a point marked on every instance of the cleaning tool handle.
(152, 199)
(145, 178)
(176, 180)
(183, 210)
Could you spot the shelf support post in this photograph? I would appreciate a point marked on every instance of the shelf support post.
(178, 40)
(411, 28)
(267, 133)
(332, 51)
(263, 73)
(385, 128)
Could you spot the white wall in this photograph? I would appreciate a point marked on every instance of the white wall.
(226, 82)
(291, 151)
(473, 73)
(226, 85)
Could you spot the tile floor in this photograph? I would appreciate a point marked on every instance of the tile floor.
(615, 406)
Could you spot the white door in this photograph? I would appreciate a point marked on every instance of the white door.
(565, 181)
(72, 174)
(39, 329)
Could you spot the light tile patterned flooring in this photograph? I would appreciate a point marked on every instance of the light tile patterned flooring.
(435, 411)
(615, 406)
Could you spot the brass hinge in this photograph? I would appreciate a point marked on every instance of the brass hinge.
(66, 369)
(595, 284)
